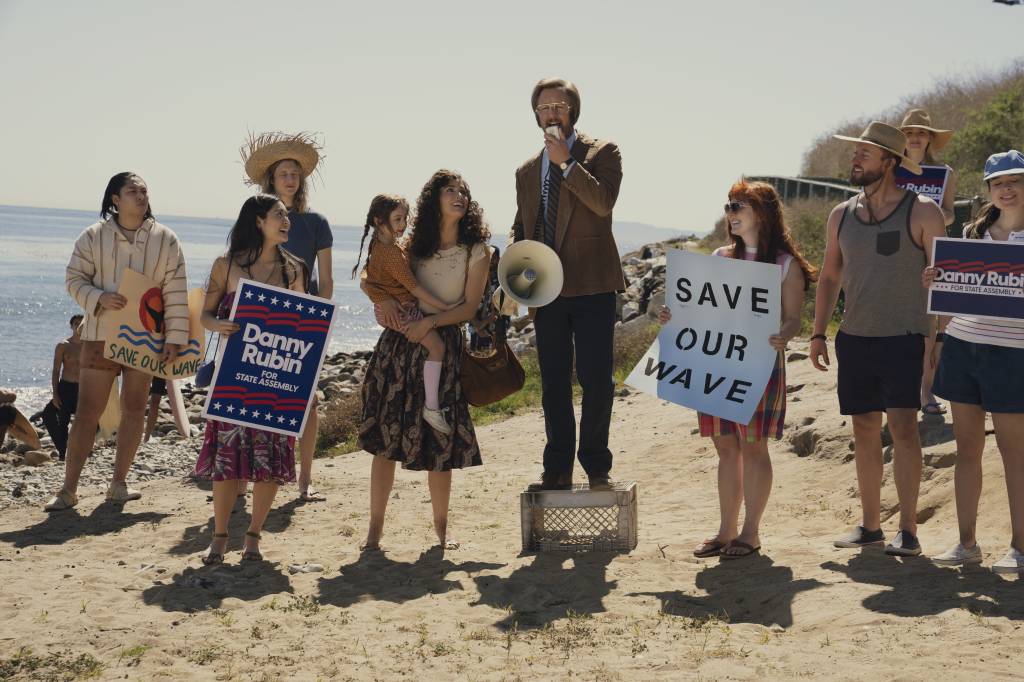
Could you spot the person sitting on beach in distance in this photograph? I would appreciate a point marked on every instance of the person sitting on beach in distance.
(387, 268)
(924, 141)
(157, 390)
(877, 244)
(981, 369)
(7, 412)
(754, 220)
(127, 237)
(450, 258)
(232, 455)
(280, 164)
(64, 380)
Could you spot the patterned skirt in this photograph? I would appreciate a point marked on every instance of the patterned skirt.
(393, 399)
(236, 453)
(769, 415)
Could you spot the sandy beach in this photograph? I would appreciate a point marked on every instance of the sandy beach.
(121, 594)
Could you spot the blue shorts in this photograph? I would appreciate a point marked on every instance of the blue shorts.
(981, 374)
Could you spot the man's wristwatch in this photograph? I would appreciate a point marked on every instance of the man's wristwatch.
(566, 164)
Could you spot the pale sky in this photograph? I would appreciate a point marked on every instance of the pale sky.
(695, 93)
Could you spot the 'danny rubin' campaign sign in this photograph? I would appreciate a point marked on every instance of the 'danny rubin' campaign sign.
(267, 371)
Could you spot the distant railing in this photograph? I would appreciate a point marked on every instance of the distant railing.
(837, 190)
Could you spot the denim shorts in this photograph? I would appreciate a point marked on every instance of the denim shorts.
(981, 374)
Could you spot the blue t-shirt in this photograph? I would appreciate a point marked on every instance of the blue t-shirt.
(309, 233)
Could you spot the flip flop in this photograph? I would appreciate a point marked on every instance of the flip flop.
(709, 548)
(933, 408)
(748, 550)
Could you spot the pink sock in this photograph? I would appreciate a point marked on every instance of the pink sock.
(432, 382)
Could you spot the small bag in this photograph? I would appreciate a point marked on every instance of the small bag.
(204, 375)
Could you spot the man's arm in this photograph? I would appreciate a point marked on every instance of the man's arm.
(829, 284)
(518, 231)
(58, 363)
(597, 188)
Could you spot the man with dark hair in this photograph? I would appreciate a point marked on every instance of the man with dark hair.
(565, 194)
(878, 244)
(64, 380)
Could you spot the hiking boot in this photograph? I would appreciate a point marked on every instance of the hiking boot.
(959, 556)
(120, 492)
(861, 537)
(1013, 562)
(601, 482)
(904, 544)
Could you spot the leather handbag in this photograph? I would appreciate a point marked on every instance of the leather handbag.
(204, 375)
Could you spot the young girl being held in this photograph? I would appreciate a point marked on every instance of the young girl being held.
(387, 267)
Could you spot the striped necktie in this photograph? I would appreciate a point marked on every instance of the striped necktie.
(554, 184)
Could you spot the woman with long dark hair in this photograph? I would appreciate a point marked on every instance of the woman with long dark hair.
(233, 453)
(451, 259)
(758, 231)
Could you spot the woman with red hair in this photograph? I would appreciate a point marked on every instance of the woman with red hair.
(757, 228)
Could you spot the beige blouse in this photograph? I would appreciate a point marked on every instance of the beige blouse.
(444, 273)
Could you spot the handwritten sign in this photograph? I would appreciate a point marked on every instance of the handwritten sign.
(978, 278)
(267, 371)
(931, 182)
(714, 355)
(134, 335)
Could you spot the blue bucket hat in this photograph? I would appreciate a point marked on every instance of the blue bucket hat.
(1006, 163)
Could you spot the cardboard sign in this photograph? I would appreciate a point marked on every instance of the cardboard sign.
(931, 182)
(134, 335)
(978, 278)
(267, 371)
(714, 355)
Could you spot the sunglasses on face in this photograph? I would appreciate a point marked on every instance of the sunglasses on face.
(735, 206)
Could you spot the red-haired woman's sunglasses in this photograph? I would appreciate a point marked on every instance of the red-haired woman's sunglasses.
(735, 206)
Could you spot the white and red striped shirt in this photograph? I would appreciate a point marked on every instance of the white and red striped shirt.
(1008, 333)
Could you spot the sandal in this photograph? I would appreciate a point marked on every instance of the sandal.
(212, 558)
(251, 555)
(709, 548)
(933, 408)
(747, 550)
(312, 496)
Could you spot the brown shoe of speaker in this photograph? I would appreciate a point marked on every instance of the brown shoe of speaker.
(600, 482)
(551, 481)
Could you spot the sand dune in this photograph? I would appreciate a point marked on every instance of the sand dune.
(122, 594)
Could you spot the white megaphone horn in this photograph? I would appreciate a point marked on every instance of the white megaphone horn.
(530, 273)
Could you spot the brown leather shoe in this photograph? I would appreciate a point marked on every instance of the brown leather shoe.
(603, 482)
(552, 481)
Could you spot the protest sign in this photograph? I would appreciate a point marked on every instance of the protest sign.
(978, 278)
(714, 355)
(267, 371)
(134, 335)
(931, 182)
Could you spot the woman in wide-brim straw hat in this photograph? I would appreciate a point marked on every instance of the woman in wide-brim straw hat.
(280, 164)
(924, 141)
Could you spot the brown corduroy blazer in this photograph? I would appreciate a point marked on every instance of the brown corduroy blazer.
(583, 230)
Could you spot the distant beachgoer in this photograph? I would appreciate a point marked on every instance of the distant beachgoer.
(232, 454)
(127, 237)
(755, 222)
(981, 369)
(64, 380)
(7, 416)
(387, 268)
(157, 390)
(924, 141)
(280, 164)
(877, 245)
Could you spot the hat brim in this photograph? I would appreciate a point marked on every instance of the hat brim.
(23, 430)
(940, 138)
(999, 174)
(905, 161)
(263, 151)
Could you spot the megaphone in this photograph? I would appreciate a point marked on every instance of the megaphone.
(530, 273)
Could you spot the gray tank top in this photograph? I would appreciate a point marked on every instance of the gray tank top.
(882, 267)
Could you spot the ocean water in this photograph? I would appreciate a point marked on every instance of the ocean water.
(35, 245)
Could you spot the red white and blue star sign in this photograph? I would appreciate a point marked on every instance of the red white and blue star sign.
(267, 371)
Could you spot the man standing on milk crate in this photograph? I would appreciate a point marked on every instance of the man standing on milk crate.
(565, 194)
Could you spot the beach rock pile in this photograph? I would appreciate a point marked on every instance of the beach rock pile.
(30, 476)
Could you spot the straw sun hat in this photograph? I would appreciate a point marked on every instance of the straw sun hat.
(262, 151)
(919, 118)
(888, 138)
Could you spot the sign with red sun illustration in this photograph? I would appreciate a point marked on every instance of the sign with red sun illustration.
(151, 311)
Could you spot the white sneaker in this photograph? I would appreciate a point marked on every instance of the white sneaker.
(959, 556)
(120, 492)
(436, 420)
(1013, 562)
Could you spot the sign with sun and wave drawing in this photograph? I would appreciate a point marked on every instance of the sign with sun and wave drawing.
(267, 371)
(134, 335)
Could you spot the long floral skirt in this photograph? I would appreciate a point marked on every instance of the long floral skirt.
(393, 398)
(231, 452)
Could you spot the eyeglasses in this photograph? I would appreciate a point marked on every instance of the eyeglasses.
(557, 107)
(735, 206)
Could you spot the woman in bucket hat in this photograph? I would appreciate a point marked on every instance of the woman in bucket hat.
(280, 164)
(982, 370)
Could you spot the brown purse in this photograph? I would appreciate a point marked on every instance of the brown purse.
(486, 379)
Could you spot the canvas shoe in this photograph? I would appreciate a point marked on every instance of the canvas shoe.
(120, 492)
(904, 544)
(436, 421)
(1013, 562)
(61, 501)
(861, 537)
(959, 556)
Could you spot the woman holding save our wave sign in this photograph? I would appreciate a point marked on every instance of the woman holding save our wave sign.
(759, 233)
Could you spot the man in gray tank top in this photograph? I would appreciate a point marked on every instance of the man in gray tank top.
(877, 245)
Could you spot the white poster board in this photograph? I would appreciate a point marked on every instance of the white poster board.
(714, 355)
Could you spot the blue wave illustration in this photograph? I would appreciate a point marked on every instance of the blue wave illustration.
(141, 342)
(144, 338)
(190, 351)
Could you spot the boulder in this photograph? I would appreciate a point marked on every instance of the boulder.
(35, 458)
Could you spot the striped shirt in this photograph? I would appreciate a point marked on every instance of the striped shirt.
(987, 330)
(101, 254)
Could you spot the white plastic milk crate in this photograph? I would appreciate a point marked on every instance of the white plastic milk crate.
(580, 519)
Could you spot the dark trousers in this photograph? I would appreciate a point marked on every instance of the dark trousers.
(584, 327)
(58, 421)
